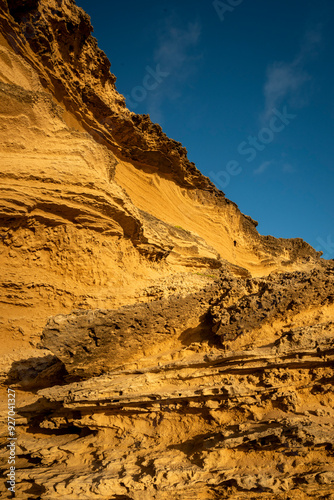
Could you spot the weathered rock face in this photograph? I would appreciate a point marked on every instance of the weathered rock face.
(158, 345)
(54, 39)
(263, 301)
(182, 416)
(93, 342)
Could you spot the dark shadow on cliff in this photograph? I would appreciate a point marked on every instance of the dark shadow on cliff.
(36, 373)
(201, 333)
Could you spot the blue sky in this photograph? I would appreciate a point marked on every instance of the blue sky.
(247, 87)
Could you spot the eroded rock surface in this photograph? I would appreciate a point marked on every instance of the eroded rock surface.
(159, 347)
(191, 410)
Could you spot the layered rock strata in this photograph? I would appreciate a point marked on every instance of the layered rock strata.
(158, 345)
(191, 411)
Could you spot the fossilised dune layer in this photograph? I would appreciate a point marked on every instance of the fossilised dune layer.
(87, 220)
(54, 38)
(152, 352)
(192, 411)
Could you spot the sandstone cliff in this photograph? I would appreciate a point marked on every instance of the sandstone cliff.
(158, 345)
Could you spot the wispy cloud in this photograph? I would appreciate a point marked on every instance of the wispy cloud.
(287, 168)
(279, 165)
(286, 80)
(283, 80)
(262, 168)
(178, 54)
(175, 45)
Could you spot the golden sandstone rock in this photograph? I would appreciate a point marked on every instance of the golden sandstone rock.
(157, 345)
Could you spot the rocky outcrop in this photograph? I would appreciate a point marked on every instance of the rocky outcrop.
(60, 192)
(92, 342)
(262, 301)
(158, 345)
(78, 74)
(186, 416)
(54, 39)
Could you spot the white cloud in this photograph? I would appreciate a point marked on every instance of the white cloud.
(177, 54)
(283, 80)
(311, 44)
(287, 168)
(175, 44)
(262, 168)
(286, 80)
(280, 165)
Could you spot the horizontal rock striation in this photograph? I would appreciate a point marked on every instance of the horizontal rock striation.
(159, 347)
(54, 39)
(182, 413)
(93, 342)
(78, 74)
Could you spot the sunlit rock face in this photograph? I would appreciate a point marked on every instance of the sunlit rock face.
(159, 347)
